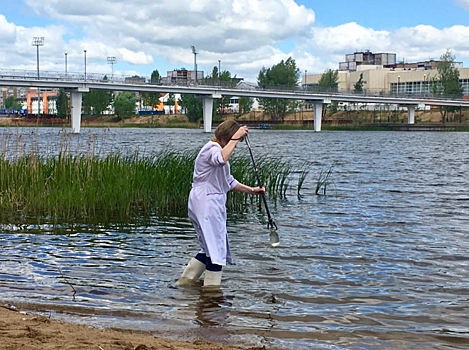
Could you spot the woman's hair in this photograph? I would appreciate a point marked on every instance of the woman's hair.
(225, 131)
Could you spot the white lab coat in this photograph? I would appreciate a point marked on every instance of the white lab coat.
(207, 202)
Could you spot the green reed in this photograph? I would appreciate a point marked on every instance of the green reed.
(323, 181)
(118, 186)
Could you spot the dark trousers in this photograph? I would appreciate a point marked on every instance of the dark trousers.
(208, 263)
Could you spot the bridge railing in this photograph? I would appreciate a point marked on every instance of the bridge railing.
(243, 86)
(335, 92)
(61, 76)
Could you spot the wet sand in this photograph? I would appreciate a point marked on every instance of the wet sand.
(20, 330)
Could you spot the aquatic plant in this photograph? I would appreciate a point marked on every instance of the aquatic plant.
(118, 186)
(302, 174)
(323, 181)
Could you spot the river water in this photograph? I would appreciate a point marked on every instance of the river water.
(382, 261)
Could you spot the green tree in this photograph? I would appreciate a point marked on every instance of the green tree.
(170, 102)
(358, 86)
(63, 107)
(219, 78)
(96, 102)
(245, 104)
(447, 81)
(283, 74)
(151, 99)
(192, 106)
(212, 78)
(448, 75)
(223, 78)
(155, 77)
(329, 80)
(12, 103)
(124, 105)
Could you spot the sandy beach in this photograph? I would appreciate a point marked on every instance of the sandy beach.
(21, 330)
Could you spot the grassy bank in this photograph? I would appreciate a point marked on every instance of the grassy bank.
(290, 127)
(116, 186)
(398, 127)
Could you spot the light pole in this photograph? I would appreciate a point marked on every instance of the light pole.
(38, 41)
(66, 73)
(398, 83)
(85, 63)
(305, 78)
(195, 63)
(219, 71)
(112, 62)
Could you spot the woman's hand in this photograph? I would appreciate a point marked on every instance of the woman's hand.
(258, 190)
(240, 134)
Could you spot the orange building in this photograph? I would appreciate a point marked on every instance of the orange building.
(45, 95)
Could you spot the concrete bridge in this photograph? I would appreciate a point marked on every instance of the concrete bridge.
(77, 84)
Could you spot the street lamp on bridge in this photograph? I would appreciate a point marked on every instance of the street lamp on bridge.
(84, 51)
(66, 73)
(195, 62)
(112, 61)
(38, 41)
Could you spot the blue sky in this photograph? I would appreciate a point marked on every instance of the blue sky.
(244, 34)
(389, 15)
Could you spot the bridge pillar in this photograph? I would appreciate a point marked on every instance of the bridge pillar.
(411, 115)
(208, 112)
(75, 102)
(317, 115)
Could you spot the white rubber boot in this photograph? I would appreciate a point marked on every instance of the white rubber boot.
(212, 279)
(192, 272)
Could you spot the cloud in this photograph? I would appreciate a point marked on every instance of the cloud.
(223, 26)
(7, 31)
(244, 34)
(169, 27)
(350, 36)
(17, 50)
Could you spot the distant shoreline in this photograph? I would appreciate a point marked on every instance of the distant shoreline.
(180, 121)
(276, 127)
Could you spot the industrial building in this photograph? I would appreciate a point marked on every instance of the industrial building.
(181, 76)
(367, 58)
(383, 75)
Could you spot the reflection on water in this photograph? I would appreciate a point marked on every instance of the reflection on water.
(212, 315)
(381, 262)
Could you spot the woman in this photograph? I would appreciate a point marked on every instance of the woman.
(207, 203)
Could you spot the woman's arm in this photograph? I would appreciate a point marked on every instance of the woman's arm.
(248, 189)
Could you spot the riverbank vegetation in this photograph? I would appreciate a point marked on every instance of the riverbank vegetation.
(118, 186)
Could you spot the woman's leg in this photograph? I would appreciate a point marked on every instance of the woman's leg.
(193, 270)
(212, 275)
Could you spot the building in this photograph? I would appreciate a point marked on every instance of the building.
(366, 58)
(359, 59)
(181, 76)
(18, 93)
(395, 78)
(135, 80)
(28, 98)
(47, 98)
